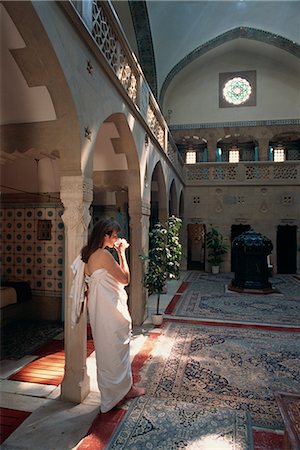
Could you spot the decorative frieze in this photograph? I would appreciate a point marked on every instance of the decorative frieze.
(242, 173)
(244, 123)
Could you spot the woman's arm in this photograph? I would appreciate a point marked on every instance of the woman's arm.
(119, 271)
(121, 250)
(103, 259)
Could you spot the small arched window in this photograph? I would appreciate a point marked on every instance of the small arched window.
(190, 157)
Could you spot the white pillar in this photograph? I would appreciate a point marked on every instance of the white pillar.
(76, 196)
(139, 234)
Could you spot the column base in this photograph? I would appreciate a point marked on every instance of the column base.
(73, 391)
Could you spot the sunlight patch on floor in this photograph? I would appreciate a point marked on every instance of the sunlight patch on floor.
(213, 442)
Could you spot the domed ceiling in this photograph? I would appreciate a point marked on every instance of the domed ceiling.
(168, 35)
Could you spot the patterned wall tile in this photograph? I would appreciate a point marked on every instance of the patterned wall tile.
(40, 262)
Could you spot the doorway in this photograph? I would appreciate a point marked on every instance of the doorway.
(286, 249)
(236, 230)
(196, 246)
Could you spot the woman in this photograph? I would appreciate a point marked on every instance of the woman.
(108, 311)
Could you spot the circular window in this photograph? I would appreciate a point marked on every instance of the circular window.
(237, 90)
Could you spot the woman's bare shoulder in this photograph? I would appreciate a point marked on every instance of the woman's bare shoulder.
(98, 260)
(101, 255)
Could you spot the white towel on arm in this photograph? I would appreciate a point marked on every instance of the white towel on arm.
(77, 290)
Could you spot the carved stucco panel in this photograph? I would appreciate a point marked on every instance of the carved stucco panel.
(76, 196)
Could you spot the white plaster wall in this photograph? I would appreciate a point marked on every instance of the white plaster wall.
(123, 11)
(262, 209)
(19, 175)
(178, 27)
(193, 96)
(29, 175)
(22, 103)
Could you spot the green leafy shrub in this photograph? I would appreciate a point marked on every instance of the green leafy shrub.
(163, 260)
(216, 246)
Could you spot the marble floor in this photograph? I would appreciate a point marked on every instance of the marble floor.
(54, 424)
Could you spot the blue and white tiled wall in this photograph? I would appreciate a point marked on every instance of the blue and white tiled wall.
(24, 257)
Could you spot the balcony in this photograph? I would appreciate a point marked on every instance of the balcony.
(245, 173)
(99, 20)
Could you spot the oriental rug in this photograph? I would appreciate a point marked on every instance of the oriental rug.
(22, 337)
(225, 368)
(207, 298)
(152, 423)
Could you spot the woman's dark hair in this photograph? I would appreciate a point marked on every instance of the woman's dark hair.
(96, 238)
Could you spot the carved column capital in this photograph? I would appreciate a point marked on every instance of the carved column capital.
(76, 195)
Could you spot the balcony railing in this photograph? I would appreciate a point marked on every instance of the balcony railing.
(102, 23)
(118, 57)
(243, 173)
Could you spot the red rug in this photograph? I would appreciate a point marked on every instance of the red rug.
(235, 325)
(48, 368)
(267, 440)
(171, 306)
(101, 430)
(10, 420)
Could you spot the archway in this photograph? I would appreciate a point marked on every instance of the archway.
(196, 246)
(286, 248)
(173, 201)
(158, 196)
(43, 125)
(117, 194)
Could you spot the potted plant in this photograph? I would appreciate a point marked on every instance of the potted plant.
(174, 248)
(163, 260)
(217, 249)
(156, 274)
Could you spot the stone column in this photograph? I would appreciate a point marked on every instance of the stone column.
(76, 196)
(139, 233)
(263, 147)
(211, 149)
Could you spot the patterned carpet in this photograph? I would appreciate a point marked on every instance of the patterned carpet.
(208, 298)
(169, 425)
(219, 368)
(22, 337)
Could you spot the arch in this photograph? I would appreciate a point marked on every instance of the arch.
(173, 200)
(239, 32)
(117, 194)
(48, 76)
(115, 160)
(181, 205)
(158, 196)
(51, 132)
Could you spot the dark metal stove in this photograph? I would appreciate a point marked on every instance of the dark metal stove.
(250, 251)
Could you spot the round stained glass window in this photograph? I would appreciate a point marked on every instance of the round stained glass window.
(237, 90)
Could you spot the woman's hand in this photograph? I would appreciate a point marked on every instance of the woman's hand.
(121, 244)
